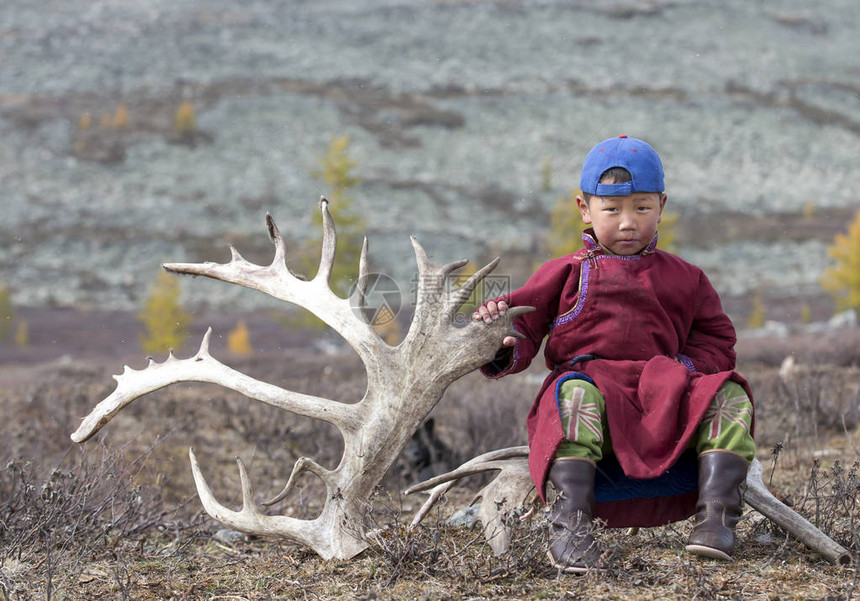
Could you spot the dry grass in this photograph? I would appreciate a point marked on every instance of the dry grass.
(118, 519)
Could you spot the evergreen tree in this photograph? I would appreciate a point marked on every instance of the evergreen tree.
(842, 280)
(163, 318)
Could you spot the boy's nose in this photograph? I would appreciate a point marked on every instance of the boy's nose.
(627, 221)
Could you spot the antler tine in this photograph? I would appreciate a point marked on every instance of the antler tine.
(248, 505)
(465, 290)
(476, 465)
(303, 464)
(446, 270)
(427, 276)
(424, 264)
(249, 515)
(235, 256)
(459, 473)
(280, 257)
(361, 284)
(210, 503)
(512, 314)
(329, 242)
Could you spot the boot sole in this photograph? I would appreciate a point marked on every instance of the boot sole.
(570, 569)
(709, 552)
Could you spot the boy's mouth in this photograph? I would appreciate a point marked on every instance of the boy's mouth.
(625, 246)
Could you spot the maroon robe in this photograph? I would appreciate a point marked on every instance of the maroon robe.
(650, 332)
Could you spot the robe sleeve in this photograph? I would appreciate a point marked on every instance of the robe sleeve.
(542, 291)
(710, 346)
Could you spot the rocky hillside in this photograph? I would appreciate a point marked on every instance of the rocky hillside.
(455, 111)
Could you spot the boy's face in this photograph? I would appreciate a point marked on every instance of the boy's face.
(623, 224)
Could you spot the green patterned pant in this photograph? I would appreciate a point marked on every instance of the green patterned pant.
(726, 424)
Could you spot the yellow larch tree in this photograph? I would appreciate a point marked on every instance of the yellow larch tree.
(22, 334)
(163, 318)
(336, 170)
(667, 231)
(565, 227)
(185, 120)
(239, 339)
(805, 313)
(757, 316)
(7, 312)
(120, 117)
(842, 280)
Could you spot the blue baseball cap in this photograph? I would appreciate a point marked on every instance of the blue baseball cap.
(636, 156)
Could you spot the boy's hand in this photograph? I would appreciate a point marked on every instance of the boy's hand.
(490, 312)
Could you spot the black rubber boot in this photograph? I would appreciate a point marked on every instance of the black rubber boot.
(572, 547)
(721, 474)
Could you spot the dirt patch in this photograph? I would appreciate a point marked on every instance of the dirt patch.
(119, 517)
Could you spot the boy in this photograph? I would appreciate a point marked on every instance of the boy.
(641, 355)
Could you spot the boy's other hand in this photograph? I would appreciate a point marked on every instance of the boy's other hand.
(489, 313)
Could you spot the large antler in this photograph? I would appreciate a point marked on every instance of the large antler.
(404, 384)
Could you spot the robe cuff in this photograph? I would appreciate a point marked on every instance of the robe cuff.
(685, 361)
(503, 363)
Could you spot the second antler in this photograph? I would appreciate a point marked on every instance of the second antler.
(512, 487)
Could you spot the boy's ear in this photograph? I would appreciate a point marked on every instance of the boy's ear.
(582, 205)
(663, 199)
